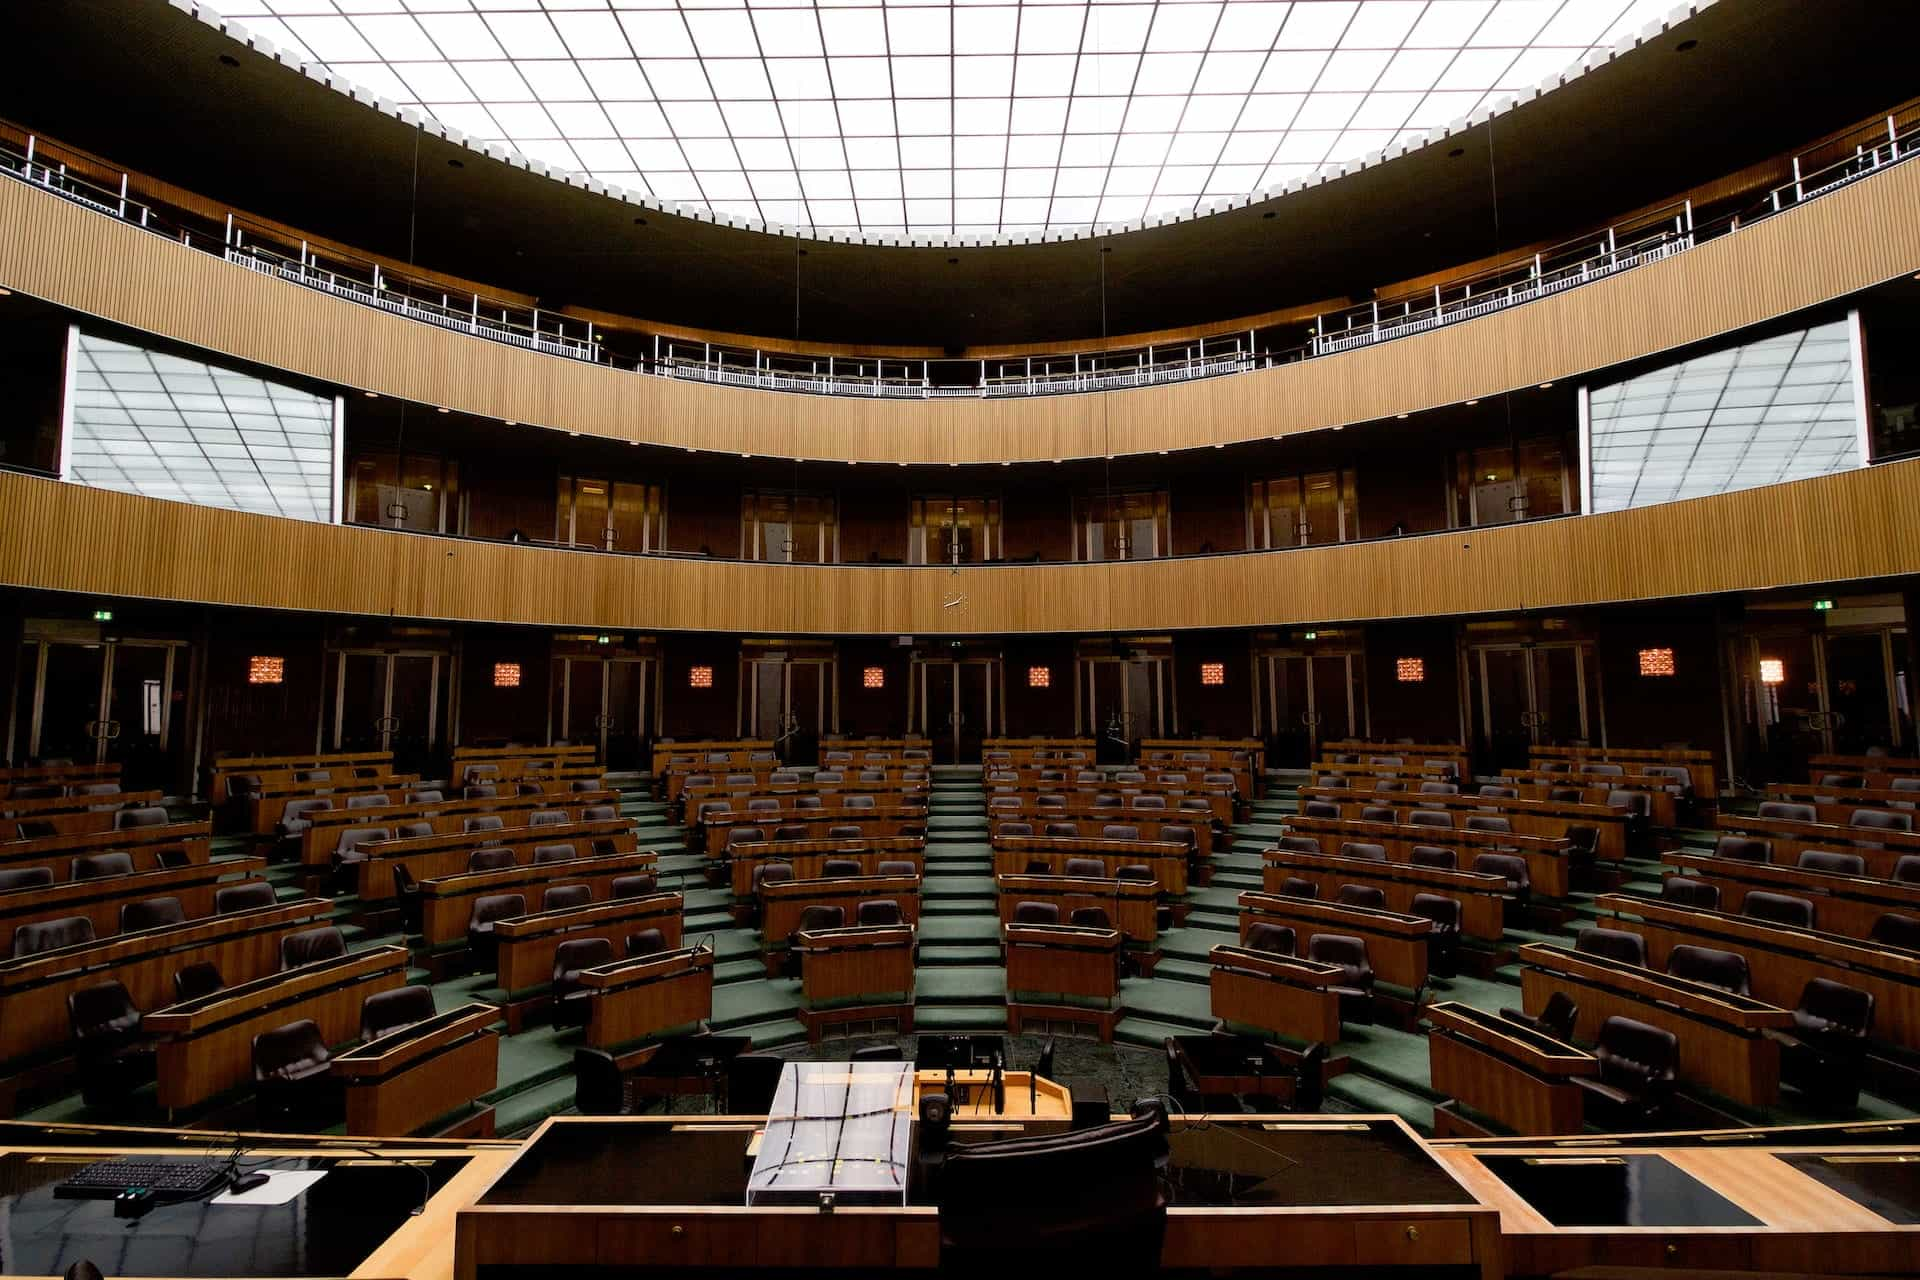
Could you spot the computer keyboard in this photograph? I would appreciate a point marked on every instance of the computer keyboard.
(157, 1179)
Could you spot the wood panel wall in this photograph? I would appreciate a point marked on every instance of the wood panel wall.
(1844, 242)
(1858, 525)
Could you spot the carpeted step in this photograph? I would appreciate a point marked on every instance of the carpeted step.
(959, 1017)
(517, 1115)
(741, 1003)
(973, 929)
(1172, 969)
(960, 984)
(773, 1033)
(1150, 1033)
(1368, 1094)
(946, 885)
(958, 954)
(1180, 1003)
(1195, 941)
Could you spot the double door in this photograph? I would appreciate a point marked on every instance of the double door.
(955, 704)
(1803, 694)
(791, 701)
(1121, 700)
(1306, 699)
(605, 703)
(107, 701)
(1522, 695)
(388, 700)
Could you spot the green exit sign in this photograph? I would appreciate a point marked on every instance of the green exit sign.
(1822, 606)
(604, 640)
(103, 615)
(1313, 635)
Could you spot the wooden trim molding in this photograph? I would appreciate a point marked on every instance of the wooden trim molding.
(1857, 525)
(1843, 242)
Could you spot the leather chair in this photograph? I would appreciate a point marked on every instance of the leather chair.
(201, 978)
(51, 935)
(406, 893)
(350, 850)
(1906, 868)
(1613, 944)
(1556, 1017)
(844, 831)
(1892, 929)
(1689, 892)
(1637, 1069)
(99, 866)
(861, 802)
(1788, 811)
(1881, 820)
(292, 1086)
(634, 886)
(812, 919)
(1439, 788)
(543, 853)
(150, 816)
(295, 820)
(1376, 813)
(1712, 966)
(113, 1057)
(547, 818)
(894, 867)
(310, 946)
(600, 1088)
(1570, 795)
(1091, 918)
(878, 911)
(1512, 868)
(1430, 818)
(1185, 1093)
(488, 909)
(1496, 823)
(1086, 868)
(1493, 791)
(571, 1007)
(497, 859)
(1363, 849)
(1433, 855)
(25, 878)
(1119, 831)
(768, 873)
(479, 791)
(369, 800)
(482, 822)
(1779, 908)
(1825, 1057)
(1036, 913)
(428, 795)
(386, 1011)
(1361, 895)
(1389, 785)
(1298, 844)
(1068, 830)
(412, 830)
(562, 896)
(1743, 849)
(1319, 809)
(839, 867)
(1355, 985)
(646, 942)
(1016, 829)
(790, 831)
(1840, 864)
(1263, 935)
(1443, 941)
(1296, 887)
(151, 913)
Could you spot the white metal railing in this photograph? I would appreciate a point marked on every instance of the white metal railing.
(1606, 253)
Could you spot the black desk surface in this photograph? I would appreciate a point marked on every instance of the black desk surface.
(327, 1230)
(1615, 1190)
(1888, 1185)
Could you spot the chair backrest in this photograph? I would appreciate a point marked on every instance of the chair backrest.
(149, 816)
(1433, 855)
(201, 978)
(385, 1011)
(1345, 950)
(546, 817)
(1036, 913)
(1263, 935)
(1320, 809)
(1788, 811)
(1724, 969)
(1134, 871)
(553, 853)
(284, 1051)
(843, 831)
(429, 795)
(1637, 803)
(1829, 1007)
(1906, 868)
(646, 942)
(1846, 864)
(821, 916)
(1614, 944)
(482, 822)
(1363, 849)
(353, 837)
(830, 777)
(25, 878)
(151, 913)
(1430, 818)
(496, 906)
(1390, 784)
(1067, 829)
(1512, 866)
(368, 800)
(1106, 800)
(1086, 867)
(1689, 892)
(763, 804)
(1432, 788)
(1442, 910)
(1376, 813)
(860, 802)
(1016, 828)
(1892, 928)
(98, 866)
(243, 897)
(1298, 844)
(1361, 895)
(50, 935)
(1119, 831)
(294, 815)
(1557, 1016)
(576, 954)
(1295, 887)
(1494, 822)
(634, 886)
(599, 813)
(1496, 792)
(411, 830)
(745, 835)
(310, 945)
(480, 791)
(877, 911)
(840, 867)
(1779, 908)
(102, 1012)
(560, 896)
(1605, 770)
(490, 860)
(1149, 802)
(770, 873)
(1743, 849)
(1881, 819)
(1637, 1057)
(1564, 793)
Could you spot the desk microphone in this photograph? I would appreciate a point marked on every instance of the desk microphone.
(1033, 1093)
(999, 1083)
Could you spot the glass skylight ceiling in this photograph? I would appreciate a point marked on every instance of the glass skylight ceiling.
(163, 427)
(1779, 409)
(969, 119)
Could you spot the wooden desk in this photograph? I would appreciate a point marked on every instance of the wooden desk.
(512, 763)
(1546, 856)
(527, 943)
(1054, 961)
(1166, 859)
(678, 790)
(206, 1046)
(322, 836)
(1365, 777)
(446, 902)
(783, 901)
(1663, 800)
(1046, 1101)
(177, 841)
(1511, 1074)
(1723, 1045)
(430, 857)
(72, 815)
(1244, 758)
(1080, 805)
(1842, 904)
(411, 1077)
(641, 997)
(912, 742)
(1880, 849)
(738, 752)
(65, 775)
(1546, 818)
(1879, 770)
(1284, 995)
(888, 795)
(1449, 752)
(271, 769)
(1481, 897)
(1132, 905)
(878, 821)
(268, 806)
(1396, 943)
(808, 858)
(1837, 804)
(1091, 822)
(1781, 960)
(1698, 764)
(243, 946)
(856, 974)
(100, 900)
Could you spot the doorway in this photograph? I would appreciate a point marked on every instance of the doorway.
(389, 700)
(792, 701)
(604, 703)
(955, 704)
(103, 701)
(1119, 700)
(1525, 695)
(1308, 699)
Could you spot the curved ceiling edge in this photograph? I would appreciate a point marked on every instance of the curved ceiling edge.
(1855, 525)
(1849, 240)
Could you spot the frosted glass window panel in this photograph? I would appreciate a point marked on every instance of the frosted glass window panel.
(163, 426)
(1781, 408)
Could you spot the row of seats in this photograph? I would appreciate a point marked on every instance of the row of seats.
(1442, 912)
(798, 831)
(1349, 953)
(1871, 819)
(997, 804)
(774, 804)
(148, 913)
(1509, 866)
(1844, 781)
(1120, 777)
(1169, 833)
(123, 820)
(784, 778)
(491, 908)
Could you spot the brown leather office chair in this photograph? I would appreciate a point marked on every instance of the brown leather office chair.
(1433, 855)
(1556, 1017)
(839, 867)
(1298, 844)
(1364, 849)
(1743, 849)
(201, 978)
(1613, 944)
(878, 911)
(1712, 966)
(1296, 887)
(310, 946)
(1689, 892)
(1825, 1057)
(1443, 940)
(151, 913)
(1361, 895)
(634, 886)
(1778, 908)
(496, 859)
(99, 866)
(1840, 864)
(482, 944)
(1087, 868)
(646, 942)
(1040, 913)
(562, 896)
(386, 1011)
(1638, 1066)
(1355, 985)
(571, 1007)
(1263, 935)
(544, 853)
(50, 935)
(25, 878)
(292, 1086)
(113, 1057)
(369, 800)
(149, 816)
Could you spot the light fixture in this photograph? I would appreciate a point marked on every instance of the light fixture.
(873, 678)
(1039, 677)
(1312, 635)
(700, 677)
(1545, 385)
(1471, 403)
(506, 675)
(603, 640)
(1773, 671)
(1656, 662)
(1213, 673)
(261, 670)
(1410, 670)
(103, 615)
(442, 409)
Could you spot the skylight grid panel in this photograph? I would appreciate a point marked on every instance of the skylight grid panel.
(1514, 23)
(653, 33)
(1250, 24)
(333, 39)
(853, 32)
(922, 77)
(1179, 27)
(1316, 26)
(589, 35)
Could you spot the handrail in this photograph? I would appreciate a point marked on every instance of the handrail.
(1653, 236)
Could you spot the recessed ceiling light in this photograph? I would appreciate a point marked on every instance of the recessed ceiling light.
(371, 395)
(1545, 385)
(1401, 416)
(442, 409)
(1473, 402)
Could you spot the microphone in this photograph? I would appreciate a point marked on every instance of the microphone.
(1033, 1093)
(999, 1083)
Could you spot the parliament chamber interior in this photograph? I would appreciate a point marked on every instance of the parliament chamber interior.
(827, 637)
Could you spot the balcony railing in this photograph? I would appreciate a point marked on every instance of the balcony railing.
(1603, 254)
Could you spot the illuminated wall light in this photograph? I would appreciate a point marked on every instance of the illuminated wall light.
(506, 675)
(1773, 671)
(1656, 662)
(873, 678)
(1213, 673)
(266, 670)
(1039, 677)
(700, 677)
(1410, 670)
